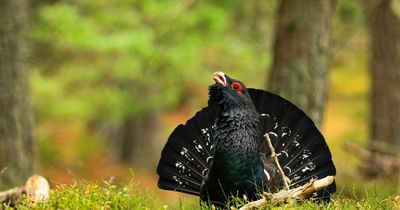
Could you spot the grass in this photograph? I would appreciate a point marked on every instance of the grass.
(107, 195)
(104, 195)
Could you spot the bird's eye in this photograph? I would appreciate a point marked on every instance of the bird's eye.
(237, 86)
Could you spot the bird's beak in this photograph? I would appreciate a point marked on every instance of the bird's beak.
(219, 78)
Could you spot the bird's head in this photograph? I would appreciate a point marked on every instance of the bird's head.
(229, 93)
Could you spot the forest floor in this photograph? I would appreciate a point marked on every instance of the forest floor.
(107, 195)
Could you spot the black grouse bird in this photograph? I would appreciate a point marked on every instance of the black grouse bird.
(221, 152)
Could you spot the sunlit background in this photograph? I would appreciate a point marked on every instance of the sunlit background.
(110, 80)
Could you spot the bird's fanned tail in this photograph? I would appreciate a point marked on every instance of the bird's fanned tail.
(187, 155)
(302, 150)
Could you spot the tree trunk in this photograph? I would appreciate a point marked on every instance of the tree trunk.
(385, 72)
(140, 140)
(301, 54)
(16, 144)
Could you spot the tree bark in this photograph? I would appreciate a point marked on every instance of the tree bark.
(385, 73)
(301, 54)
(140, 140)
(16, 142)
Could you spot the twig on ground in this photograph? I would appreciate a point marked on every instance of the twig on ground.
(299, 193)
(275, 158)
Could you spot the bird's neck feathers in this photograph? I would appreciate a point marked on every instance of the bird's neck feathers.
(237, 126)
(238, 129)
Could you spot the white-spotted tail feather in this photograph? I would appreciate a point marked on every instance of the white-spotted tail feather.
(301, 148)
(188, 154)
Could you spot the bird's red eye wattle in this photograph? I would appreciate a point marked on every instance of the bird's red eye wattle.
(237, 86)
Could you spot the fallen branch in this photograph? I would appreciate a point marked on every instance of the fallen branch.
(365, 154)
(36, 189)
(360, 152)
(388, 165)
(275, 158)
(300, 193)
(12, 195)
(384, 147)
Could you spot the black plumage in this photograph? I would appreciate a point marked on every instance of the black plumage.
(220, 152)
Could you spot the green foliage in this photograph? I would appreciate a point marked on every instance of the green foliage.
(349, 11)
(48, 151)
(349, 20)
(111, 60)
(97, 63)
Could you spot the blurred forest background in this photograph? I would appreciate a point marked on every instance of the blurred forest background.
(91, 88)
